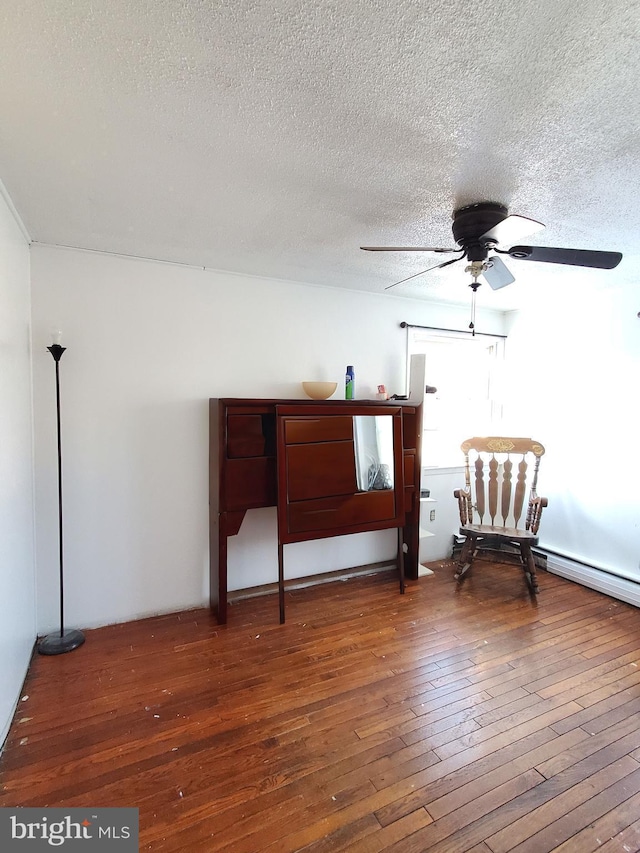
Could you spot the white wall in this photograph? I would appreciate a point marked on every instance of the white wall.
(574, 359)
(148, 344)
(17, 574)
(441, 482)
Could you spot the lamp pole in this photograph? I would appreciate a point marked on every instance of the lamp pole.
(62, 641)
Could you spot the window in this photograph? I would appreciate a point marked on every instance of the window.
(466, 372)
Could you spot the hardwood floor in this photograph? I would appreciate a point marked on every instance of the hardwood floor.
(447, 719)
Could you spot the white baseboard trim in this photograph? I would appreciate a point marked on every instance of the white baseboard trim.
(616, 587)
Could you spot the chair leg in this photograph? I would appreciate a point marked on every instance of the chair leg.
(467, 555)
(529, 566)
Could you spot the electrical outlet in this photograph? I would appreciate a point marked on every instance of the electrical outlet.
(432, 515)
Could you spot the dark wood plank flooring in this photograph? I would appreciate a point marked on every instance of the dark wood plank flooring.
(445, 720)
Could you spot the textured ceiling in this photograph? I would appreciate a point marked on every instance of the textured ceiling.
(275, 138)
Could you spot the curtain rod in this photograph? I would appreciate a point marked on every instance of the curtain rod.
(404, 325)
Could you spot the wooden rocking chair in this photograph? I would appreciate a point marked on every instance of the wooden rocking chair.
(498, 503)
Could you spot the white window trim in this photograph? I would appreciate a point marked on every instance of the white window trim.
(422, 335)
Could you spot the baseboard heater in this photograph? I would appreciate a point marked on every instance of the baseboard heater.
(593, 577)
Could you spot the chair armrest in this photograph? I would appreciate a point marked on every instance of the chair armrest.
(534, 513)
(464, 506)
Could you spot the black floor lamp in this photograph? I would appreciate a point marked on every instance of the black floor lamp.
(62, 641)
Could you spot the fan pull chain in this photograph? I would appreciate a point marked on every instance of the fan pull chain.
(472, 324)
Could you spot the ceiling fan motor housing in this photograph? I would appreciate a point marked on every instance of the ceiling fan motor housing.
(474, 220)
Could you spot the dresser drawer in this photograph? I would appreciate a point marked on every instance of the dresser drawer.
(245, 436)
(306, 429)
(249, 483)
(341, 512)
(409, 469)
(320, 470)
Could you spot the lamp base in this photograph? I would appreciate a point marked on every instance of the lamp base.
(57, 644)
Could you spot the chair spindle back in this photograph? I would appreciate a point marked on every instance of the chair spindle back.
(496, 499)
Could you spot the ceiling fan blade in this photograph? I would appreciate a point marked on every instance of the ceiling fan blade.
(422, 272)
(573, 257)
(497, 274)
(406, 249)
(512, 228)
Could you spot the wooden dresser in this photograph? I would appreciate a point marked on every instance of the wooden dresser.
(298, 455)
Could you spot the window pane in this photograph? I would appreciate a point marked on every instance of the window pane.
(463, 370)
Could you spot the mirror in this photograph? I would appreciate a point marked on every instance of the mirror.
(373, 441)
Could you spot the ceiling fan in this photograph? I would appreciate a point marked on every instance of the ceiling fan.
(479, 228)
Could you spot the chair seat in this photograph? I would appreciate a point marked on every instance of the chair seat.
(502, 532)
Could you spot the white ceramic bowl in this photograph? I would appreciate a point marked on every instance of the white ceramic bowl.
(319, 390)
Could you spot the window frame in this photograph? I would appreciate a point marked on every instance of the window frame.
(418, 340)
